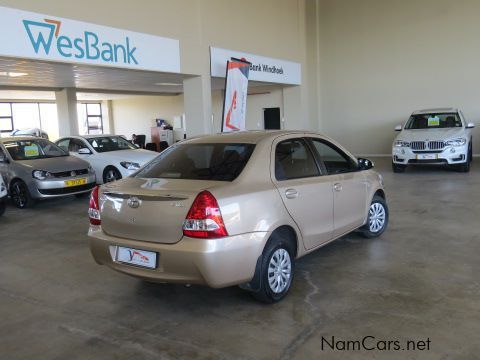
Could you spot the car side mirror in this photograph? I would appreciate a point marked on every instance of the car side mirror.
(84, 151)
(398, 128)
(470, 125)
(365, 164)
(3, 158)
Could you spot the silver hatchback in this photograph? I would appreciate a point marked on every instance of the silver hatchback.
(35, 168)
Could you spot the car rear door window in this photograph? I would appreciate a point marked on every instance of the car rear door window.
(335, 161)
(294, 160)
(221, 162)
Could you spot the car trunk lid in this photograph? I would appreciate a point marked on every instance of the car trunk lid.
(149, 209)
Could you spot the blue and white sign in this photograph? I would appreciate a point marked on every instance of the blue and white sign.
(36, 36)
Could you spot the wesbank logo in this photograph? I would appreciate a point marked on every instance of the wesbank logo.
(45, 37)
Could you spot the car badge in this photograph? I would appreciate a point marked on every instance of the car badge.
(133, 202)
(73, 173)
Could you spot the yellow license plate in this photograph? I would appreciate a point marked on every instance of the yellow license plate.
(77, 182)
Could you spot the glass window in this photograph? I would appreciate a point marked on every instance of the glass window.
(335, 161)
(63, 144)
(433, 121)
(90, 119)
(5, 110)
(6, 119)
(110, 143)
(220, 162)
(26, 116)
(33, 149)
(75, 145)
(293, 160)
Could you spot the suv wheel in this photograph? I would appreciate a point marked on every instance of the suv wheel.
(397, 168)
(377, 218)
(276, 271)
(465, 167)
(111, 174)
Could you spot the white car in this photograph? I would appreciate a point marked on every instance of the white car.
(30, 132)
(3, 196)
(111, 156)
(433, 136)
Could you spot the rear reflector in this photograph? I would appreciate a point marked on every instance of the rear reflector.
(93, 208)
(204, 219)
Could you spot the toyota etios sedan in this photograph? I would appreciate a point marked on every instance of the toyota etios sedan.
(433, 136)
(35, 168)
(235, 209)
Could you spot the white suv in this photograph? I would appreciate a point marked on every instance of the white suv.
(433, 136)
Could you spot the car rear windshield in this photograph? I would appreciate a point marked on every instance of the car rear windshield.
(433, 121)
(222, 162)
(110, 143)
(33, 149)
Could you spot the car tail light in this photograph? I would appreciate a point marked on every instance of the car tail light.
(94, 208)
(204, 219)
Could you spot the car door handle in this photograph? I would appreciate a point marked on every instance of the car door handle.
(291, 193)
(337, 187)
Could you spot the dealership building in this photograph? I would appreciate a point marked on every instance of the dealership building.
(350, 69)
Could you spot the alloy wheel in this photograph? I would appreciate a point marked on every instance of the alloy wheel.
(377, 217)
(279, 270)
(19, 195)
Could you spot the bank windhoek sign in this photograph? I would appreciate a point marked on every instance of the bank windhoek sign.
(261, 68)
(37, 36)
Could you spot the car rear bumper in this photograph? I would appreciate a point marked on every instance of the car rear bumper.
(216, 262)
(448, 156)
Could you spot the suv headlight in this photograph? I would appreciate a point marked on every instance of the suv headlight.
(130, 165)
(401, 143)
(456, 142)
(41, 174)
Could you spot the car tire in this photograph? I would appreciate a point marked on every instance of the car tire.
(276, 270)
(111, 174)
(470, 152)
(398, 168)
(377, 221)
(20, 195)
(3, 205)
(465, 167)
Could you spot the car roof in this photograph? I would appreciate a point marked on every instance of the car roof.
(435, 110)
(250, 136)
(19, 138)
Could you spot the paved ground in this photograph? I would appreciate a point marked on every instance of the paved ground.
(420, 281)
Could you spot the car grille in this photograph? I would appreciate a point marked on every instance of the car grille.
(71, 173)
(67, 190)
(436, 145)
(424, 145)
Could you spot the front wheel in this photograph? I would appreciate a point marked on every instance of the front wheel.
(20, 195)
(111, 174)
(397, 168)
(276, 271)
(377, 218)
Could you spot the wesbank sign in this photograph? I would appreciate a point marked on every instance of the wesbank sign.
(48, 38)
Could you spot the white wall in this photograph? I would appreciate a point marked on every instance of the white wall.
(255, 105)
(380, 60)
(137, 115)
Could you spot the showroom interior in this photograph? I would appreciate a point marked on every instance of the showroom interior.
(351, 70)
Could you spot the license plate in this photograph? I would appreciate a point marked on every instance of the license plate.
(427, 156)
(137, 257)
(76, 182)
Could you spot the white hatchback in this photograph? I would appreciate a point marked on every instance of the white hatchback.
(112, 157)
(433, 136)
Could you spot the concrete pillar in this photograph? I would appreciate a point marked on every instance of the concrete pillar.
(197, 101)
(66, 100)
(107, 117)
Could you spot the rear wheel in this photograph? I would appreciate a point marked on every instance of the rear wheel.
(397, 168)
(377, 218)
(20, 195)
(276, 271)
(111, 174)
